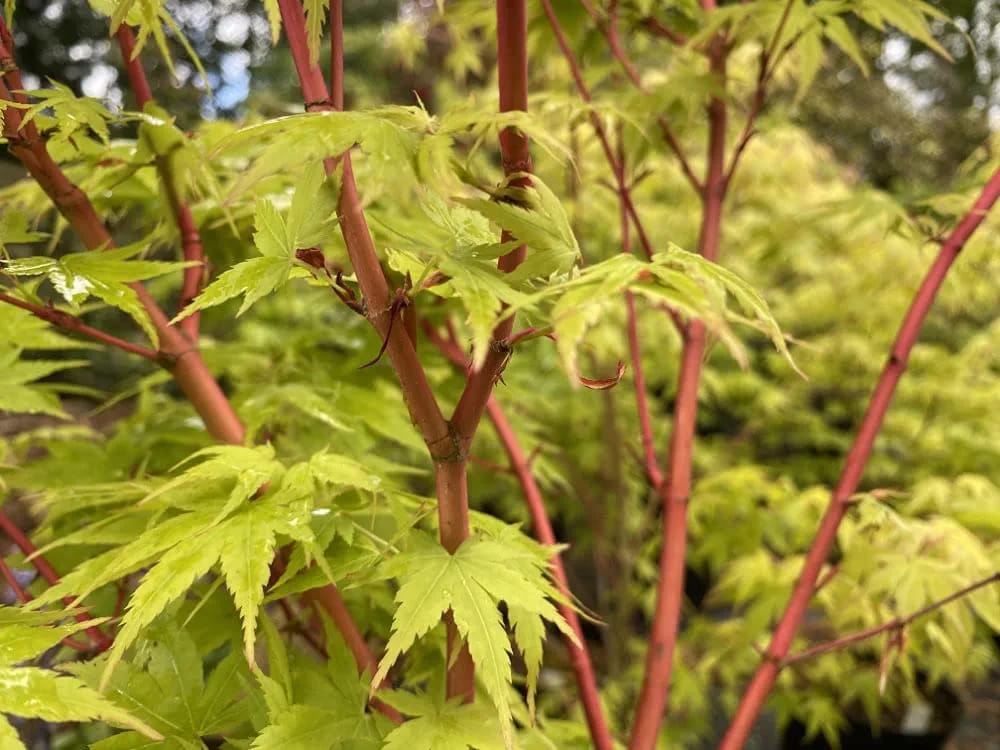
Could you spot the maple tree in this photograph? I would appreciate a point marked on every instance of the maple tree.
(298, 536)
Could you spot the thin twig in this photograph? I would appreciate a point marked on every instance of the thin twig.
(764, 71)
(24, 597)
(657, 27)
(895, 624)
(599, 129)
(624, 190)
(635, 352)
(71, 323)
(187, 228)
(20, 539)
(613, 37)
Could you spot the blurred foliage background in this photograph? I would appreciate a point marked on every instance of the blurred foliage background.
(906, 127)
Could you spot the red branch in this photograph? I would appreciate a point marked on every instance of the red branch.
(642, 404)
(439, 435)
(177, 354)
(18, 537)
(70, 323)
(657, 27)
(420, 401)
(768, 62)
(583, 670)
(894, 625)
(763, 680)
(520, 465)
(190, 237)
(24, 597)
(512, 69)
(676, 491)
(598, 125)
(329, 599)
(613, 37)
(337, 54)
(623, 189)
(184, 361)
(635, 352)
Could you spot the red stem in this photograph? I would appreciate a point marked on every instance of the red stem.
(24, 597)
(512, 70)
(329, 599)
(765, 68)
(420, 401)
(176, 353)
(659, 28)
(763, 680)
(895, 624)
(189, 235)
(624, 191)
(613, 37)
(520, 465)
(99, 639)
(337, 54)
(676, 491)
(583, 670)
(70, 323)
(295, 626)
(441, 438)
(598, 125)
(641, 401)
(635, 352)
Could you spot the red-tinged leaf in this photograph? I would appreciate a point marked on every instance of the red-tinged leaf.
(602, 384)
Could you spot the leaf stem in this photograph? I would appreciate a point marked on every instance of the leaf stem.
(854, 465)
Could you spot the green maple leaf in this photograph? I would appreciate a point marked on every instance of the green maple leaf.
(441, 726)
(32, 692)
(17, 394)
(471, 583)
(105, 274)
(44, 694)
(246, 556)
